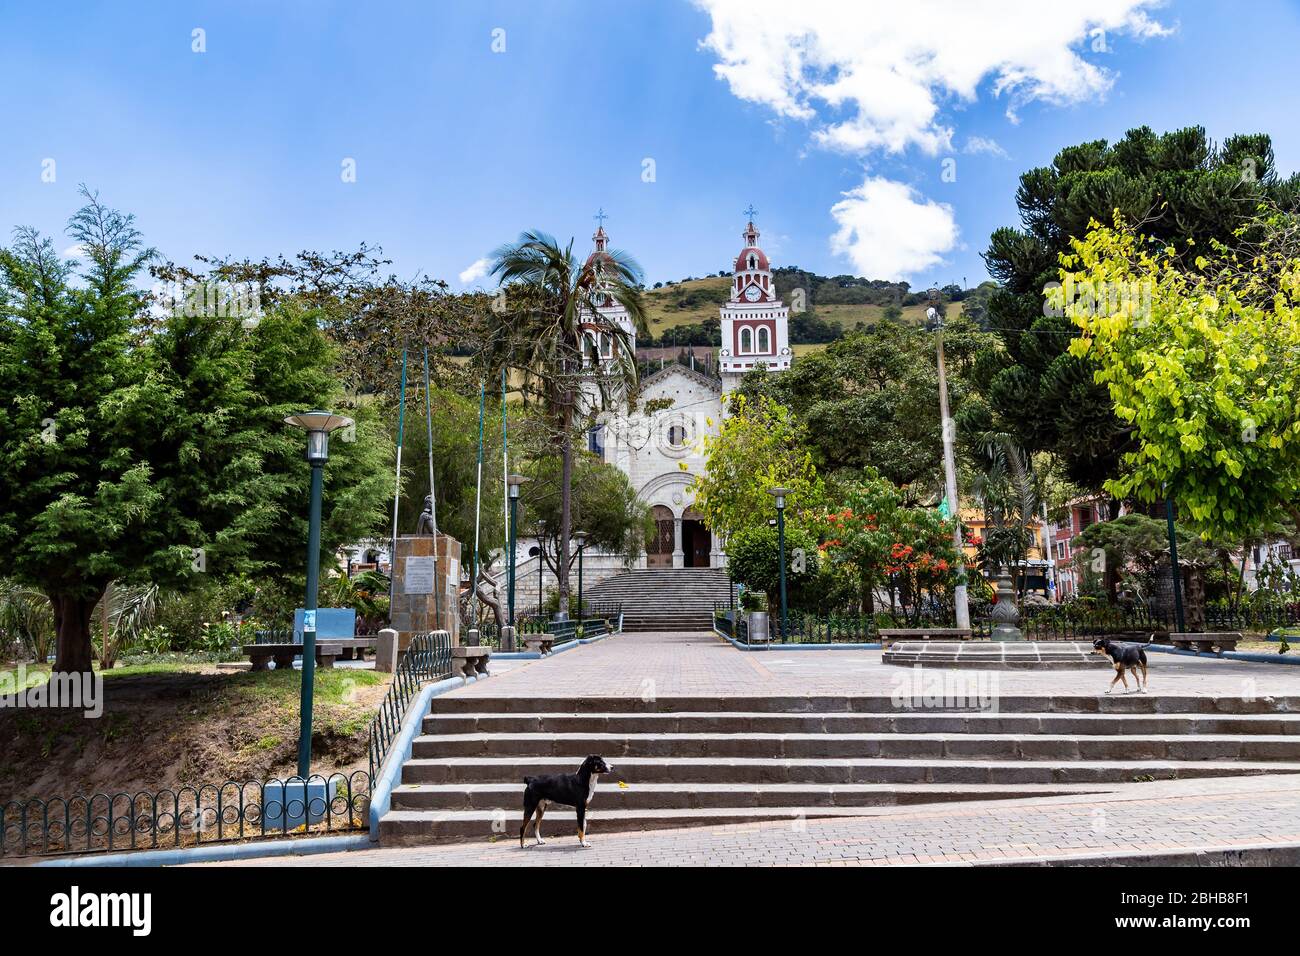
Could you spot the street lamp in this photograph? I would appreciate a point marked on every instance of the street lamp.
(581, 538)
(961, 607)
(779, 494)
(513, 482)
(318, 425)
(541, 544)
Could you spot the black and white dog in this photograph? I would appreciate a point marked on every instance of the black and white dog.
(1124, 656)
(568, 789)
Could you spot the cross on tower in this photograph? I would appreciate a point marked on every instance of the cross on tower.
(751, 212)
(600, 217)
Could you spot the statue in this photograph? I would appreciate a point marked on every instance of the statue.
(425, 525)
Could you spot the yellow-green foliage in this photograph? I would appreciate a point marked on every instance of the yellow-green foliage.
(1203, 360)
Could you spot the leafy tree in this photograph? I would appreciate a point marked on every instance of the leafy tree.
(605, 506)
(1201, 366)
(871, 399)
(760, 446)
(754, 557)
(141, 450)
(1179, 186)
(551, 306)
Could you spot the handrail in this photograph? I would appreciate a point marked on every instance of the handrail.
(427, 658)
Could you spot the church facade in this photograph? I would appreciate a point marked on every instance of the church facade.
(662, 450)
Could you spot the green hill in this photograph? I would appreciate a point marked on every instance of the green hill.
(688, 310)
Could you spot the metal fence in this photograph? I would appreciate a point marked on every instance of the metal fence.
(427, 658)
(185, 816)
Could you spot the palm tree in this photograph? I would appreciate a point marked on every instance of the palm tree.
(550, 308)
(1011, 491)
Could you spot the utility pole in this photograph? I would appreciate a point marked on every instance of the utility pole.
(961, 605)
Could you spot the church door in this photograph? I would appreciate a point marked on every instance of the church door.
(659, 549)
(696, 541)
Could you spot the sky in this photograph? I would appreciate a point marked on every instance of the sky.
(882, 139)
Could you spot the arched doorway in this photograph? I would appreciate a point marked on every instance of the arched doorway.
(659, 549)
(697, 543)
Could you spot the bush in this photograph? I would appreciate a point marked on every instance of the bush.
(754, 557)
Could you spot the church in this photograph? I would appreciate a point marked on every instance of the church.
(662, 452)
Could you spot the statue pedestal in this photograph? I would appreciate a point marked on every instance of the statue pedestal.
(425, 591)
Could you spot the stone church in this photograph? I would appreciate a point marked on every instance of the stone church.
(663, 451)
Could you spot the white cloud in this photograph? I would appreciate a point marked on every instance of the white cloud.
(882, 69)
(888, 230)
(982, 144)
(475, 271)
(75, 251)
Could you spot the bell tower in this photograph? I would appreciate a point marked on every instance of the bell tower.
(755, 322)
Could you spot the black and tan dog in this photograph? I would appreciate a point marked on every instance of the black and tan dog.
(1126, 657)
(568, 789)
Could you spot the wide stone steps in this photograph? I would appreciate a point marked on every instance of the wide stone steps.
(896, 745)
(905, 723)
(686, 771)
(691, 760)
(661, 796)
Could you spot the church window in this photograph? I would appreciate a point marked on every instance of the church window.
(753, 263)
(677, 436)
(764, 340)
(746, 340)
(596, 440)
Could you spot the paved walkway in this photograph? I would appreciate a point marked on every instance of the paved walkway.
(1162, 817)
(702, 664)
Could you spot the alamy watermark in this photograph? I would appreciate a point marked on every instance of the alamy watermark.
(919, 689)
(211, 300)
(1098, 299)
(20, 690)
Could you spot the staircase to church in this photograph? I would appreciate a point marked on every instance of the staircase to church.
(718, 760)
(664, 599)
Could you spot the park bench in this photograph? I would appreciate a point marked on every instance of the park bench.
(470, 661)
(351, 648)
(1209, 642)
(888, 635)
(539, 643)
(283, 654)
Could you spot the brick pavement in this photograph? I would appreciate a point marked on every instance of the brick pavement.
(669, 665)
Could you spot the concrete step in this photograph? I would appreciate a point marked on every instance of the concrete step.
(748, 770)
(896, 745)
(661, 796)
(423, 827)
(1003, 704)
(906, 723)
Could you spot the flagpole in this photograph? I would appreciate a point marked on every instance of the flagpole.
(397, 490)
(478, 492)
(433, 497)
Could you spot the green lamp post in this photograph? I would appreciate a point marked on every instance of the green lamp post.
(581, 538)
(513, 482)
(318, 425)
(780, 495)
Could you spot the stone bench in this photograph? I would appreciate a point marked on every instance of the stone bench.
(539, 643)
(470, 661)
(283, 654)
(1209, 642)
(891, 634)
(351, 648)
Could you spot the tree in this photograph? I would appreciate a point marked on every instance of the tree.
(551, 309)
(604, 505)
(139, 450)
(1177, 186)
(754, 557)
(871, 399)
(1200, 361)
(759, 446)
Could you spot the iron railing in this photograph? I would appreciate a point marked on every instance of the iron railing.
(1245, 618)
(427, 658)
(186, 816)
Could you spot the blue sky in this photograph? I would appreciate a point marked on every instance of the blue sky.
(240, 149)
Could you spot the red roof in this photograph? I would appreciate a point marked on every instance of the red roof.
(742, 260)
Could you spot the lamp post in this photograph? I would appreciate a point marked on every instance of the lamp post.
(318, 425)
(512, 482)
(581, 538)
(541, 544)
(779, 494)
(960, 604)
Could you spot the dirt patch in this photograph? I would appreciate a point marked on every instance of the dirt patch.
(191, 725)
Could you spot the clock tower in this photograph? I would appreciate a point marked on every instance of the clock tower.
(755, 323)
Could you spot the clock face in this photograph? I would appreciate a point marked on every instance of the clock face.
(753, 293)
